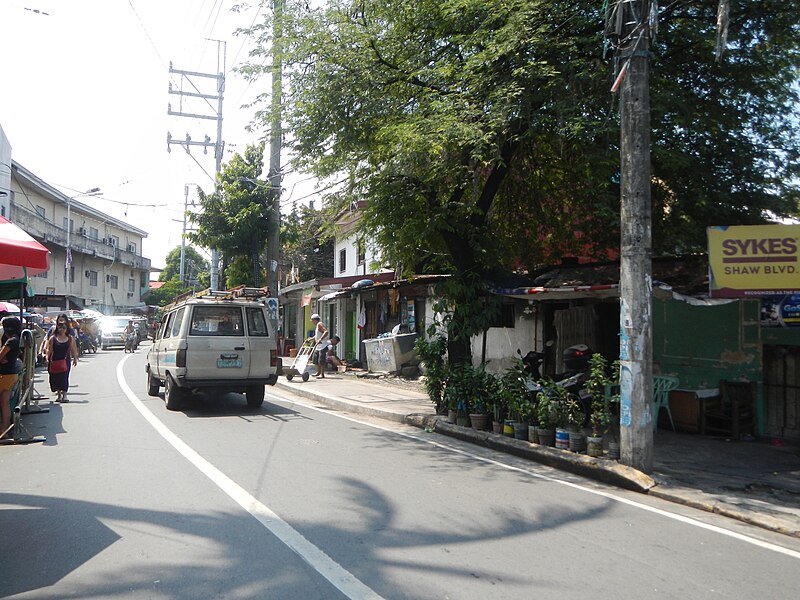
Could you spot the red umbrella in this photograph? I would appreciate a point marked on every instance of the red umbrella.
(18, 250)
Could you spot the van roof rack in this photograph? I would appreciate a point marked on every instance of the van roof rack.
(240, 291)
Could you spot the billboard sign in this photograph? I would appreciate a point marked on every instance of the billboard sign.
(754, 260)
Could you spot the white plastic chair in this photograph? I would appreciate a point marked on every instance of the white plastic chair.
(662, 385)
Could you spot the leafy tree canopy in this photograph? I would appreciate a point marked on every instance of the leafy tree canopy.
(235, 219)
(195, 267)
(307, 244)
(482, 133)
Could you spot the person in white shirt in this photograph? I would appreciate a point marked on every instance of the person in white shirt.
(319, 338)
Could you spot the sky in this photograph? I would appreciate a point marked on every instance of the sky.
(84, 94)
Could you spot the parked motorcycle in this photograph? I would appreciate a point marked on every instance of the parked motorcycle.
(576, 361)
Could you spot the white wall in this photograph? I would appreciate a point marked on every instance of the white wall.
(5, 175)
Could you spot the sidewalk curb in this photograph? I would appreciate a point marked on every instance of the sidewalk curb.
(343, 405)
(713, 506)
(594, 468)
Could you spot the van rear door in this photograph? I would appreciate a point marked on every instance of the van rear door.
(217, 348)
(261, 342)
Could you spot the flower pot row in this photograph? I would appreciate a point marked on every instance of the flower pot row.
(573, 441)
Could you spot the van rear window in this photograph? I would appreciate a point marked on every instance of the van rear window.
(217, 321)
(256, 323)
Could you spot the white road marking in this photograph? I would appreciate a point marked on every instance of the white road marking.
(610, 496)
(338, 576)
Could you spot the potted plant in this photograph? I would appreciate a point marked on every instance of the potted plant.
(550, 400)
(517, 400)
(482, 383)
(600, 418)
(498, 403)
(458, 392)
(575, 417)
(431, 353)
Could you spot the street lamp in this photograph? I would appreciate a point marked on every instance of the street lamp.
(68, 259)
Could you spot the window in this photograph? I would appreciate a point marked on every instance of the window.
(72, 274)
(132, 247)
(217, 321)
(143, 279)
(43, 275)
(131, 285)
(505, 318)
(256, 323)
(93, 278)
(114, 240)
(342, 260)
(41, 211)
(71, 224)
(361, 252)
(166, 325)
(114, 281)
(93, 233)
(176, 322)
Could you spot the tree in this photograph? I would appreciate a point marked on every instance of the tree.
(195, 267)
(166, 293)
(307, 243)
(482, 132)
(235, 218)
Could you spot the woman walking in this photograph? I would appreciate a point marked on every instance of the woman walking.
(61, 352)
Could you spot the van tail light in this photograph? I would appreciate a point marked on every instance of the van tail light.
(273, 358)
(180, 358)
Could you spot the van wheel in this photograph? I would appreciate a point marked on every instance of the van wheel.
(153, 384)
(255, 395)
(172, 394)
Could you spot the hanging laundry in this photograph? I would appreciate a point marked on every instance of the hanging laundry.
(362, 317)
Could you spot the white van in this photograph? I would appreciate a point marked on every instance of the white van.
(215, 342)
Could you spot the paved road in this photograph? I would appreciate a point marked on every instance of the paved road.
(128, 500)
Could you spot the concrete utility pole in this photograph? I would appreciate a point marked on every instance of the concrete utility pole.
(276, 137)
(636, 338)
(219, 145)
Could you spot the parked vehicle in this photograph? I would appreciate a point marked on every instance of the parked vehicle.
(214, 342)
(112, 331)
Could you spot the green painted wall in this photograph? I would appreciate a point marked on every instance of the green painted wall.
(703, 344)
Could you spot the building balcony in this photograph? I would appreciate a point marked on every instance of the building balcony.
(52, 235)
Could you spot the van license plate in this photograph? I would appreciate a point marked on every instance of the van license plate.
(229, 363)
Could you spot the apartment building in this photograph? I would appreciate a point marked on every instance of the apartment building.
(96, 259)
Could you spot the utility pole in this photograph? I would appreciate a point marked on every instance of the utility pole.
(276, 137)
(188, 142)
(632, 28)
(183, 233)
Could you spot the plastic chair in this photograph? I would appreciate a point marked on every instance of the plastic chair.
(662, 385)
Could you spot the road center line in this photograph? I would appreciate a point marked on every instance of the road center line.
(338, 576)
(609, 495)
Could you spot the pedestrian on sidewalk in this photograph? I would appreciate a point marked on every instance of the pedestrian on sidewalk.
(61, 351)
(330, 353)
(319, 337)
(9, 352)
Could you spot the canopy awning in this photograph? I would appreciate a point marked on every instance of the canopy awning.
(20, 254)
(610, 290)
(331, 295)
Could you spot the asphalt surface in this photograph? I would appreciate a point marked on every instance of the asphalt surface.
(757, 482)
